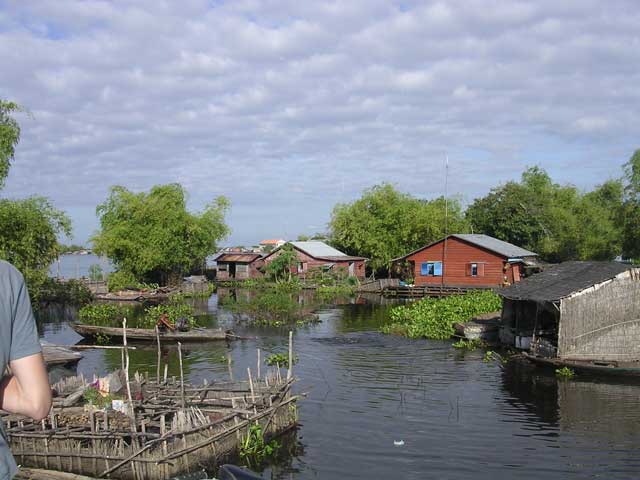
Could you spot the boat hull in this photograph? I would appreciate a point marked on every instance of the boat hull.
(148, 335)
(618, 369)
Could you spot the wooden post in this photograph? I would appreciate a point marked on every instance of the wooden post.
(166, 371)
(159, 356)
(229, 367)
(259, 355)
(290, 370)
(181, 376)
(126, 363)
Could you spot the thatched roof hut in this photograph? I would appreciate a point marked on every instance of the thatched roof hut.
(575, 310)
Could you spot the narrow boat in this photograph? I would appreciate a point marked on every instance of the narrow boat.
(594, 367)
(149, 335)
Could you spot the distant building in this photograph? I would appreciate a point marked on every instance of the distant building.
(575, 311)
(467, 260)
(315, 254)
(270, 245)
(238, 266)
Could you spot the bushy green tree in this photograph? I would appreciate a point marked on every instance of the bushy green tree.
(279, 269)
(153, 237)
(29, 228)
(9, 136)
(631, 209)
(556, 221)
(28, 237)
(385, 224)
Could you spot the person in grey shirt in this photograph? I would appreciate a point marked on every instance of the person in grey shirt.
(24, 388)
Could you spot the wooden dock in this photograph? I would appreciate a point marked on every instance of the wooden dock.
(57, 355)
(420, 291)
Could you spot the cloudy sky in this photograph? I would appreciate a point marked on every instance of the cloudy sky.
(288, 107)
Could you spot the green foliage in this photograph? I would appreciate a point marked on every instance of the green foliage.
(173, 310)
(565, 373)
(9, 136)
(385, 224)
(279, 268)
(103, 314)
(152, 237)
(29, 231)
(469, 345)
(434, 317)
(71, 292)
(557, 222)
(121, 280)
(254, 449)
(631, 208)
(95, 272)
(281, 358)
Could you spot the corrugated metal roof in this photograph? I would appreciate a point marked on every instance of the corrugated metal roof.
(498, 246)
(561, 280)
(316, 248)
(238, 257)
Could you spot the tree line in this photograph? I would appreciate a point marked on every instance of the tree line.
(151, 237)
(559, 222)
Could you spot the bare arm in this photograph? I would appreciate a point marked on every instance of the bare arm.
(26, 391)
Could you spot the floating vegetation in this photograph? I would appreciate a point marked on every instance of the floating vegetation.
(434, 317)
(469, 344)
(565, 373)
(110, 315)
(281, 359)
(254, 450)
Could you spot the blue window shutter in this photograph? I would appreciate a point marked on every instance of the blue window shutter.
(437, 269)
(424, 269)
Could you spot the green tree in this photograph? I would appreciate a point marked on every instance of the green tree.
(385, 224)
(29, 228)
(153, 237)
(556, 221)
(279, 269)
(9, 136)
(28, 237)
(631, 209)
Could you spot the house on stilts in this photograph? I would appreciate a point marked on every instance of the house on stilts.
(582, 311)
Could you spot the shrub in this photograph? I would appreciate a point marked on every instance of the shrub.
(120, 280)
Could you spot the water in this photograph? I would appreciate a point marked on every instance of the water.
(77, 266)
(458, 416)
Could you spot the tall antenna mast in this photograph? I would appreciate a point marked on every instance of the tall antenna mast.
(446, 217)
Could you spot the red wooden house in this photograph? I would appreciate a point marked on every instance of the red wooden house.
(315, 254)
(468, 260)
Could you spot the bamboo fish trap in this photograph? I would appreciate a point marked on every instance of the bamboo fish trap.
(162, 439)
(172, 428)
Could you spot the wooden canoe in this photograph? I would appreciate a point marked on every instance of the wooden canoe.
(593, 367)
(149, 335)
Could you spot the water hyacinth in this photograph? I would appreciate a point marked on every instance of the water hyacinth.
(434, 317)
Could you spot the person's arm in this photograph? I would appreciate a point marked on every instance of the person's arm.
(26, 391)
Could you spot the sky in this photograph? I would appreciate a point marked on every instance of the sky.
(289, 107)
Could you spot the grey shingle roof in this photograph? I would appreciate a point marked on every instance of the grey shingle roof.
(561, 280)
(498, 246)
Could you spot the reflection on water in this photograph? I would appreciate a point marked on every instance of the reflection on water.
(457, 416)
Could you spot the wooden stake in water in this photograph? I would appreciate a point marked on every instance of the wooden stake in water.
(159, 355)
(259, 355)
(290, 370)
(181, 376)
(126, 362)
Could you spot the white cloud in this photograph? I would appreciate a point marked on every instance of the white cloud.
(291, 106)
